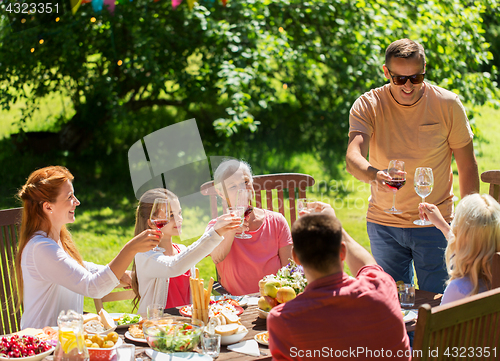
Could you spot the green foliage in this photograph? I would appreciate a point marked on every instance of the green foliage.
(279, 76)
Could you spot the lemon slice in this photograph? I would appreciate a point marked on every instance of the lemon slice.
(69, 340)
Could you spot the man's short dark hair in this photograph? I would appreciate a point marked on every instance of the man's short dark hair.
(316, 241)
(406, 49)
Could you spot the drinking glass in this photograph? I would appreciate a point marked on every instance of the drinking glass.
(406, 294)
(155, 311)
(397, 172)
(210, 344)
(302, 206)
(423, 182)
(243, 200)
(160, 216)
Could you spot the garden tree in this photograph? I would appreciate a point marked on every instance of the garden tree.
(264, 79)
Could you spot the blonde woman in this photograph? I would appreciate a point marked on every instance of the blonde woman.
(473, 239)
(163, 277)
(51, 274)
(241, 263)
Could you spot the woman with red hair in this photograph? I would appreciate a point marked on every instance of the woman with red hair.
(51, 274)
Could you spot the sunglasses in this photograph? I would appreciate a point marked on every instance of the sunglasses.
(402, 79)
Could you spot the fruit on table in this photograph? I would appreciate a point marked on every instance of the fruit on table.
(265, 303)
(285, 294)
(271, 288)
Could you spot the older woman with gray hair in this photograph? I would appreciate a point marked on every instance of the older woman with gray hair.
(241, 263)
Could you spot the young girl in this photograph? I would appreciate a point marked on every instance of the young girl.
(473, 239)
(51, 274)
(163, 277)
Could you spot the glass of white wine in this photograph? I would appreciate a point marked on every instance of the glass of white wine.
(423, 182)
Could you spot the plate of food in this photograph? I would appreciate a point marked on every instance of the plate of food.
(408, 315)
(216, 307)
(124, 320)
(135, 333)
(101, 324)
(262, 338)
(33, 349)
(241, 301)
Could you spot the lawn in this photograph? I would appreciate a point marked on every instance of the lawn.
(105, 219)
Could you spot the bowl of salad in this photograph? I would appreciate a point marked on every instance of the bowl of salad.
(173, 334)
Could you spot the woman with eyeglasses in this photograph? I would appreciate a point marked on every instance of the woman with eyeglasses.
(422, 124)
(242, 262)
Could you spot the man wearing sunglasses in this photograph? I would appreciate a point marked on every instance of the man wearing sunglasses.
(423, 125)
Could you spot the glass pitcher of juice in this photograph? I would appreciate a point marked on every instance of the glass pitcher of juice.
(71, 344)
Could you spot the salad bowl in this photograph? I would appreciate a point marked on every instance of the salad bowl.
(173, 334)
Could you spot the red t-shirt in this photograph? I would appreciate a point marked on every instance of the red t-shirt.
(178, 288)
(341, 317)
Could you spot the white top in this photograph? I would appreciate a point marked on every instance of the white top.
(460, 288)
(154, 269)
(53, 282)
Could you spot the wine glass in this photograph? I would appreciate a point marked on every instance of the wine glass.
(397, 172)
(243, 200)
(423, 182)
(160, 216)
(302, 206)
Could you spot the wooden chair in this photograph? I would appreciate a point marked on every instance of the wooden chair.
(495, 270)
(281, 182)
(493, 178)
(473, 322)
(114, 296)
(10, 219)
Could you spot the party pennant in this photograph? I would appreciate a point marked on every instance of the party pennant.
(176, 3)
(111, 5)
(224, 2)
(191, 4)
(97, 5)
(75, 4)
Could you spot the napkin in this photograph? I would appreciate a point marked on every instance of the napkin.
(248, 347)
(253, 301)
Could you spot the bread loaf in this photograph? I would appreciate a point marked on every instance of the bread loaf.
(227, 330)
(106, 319)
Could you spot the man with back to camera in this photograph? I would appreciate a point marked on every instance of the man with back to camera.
(337, 316)
(422, 125)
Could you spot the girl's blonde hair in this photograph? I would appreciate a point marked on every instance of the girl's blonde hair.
(141, 224)
(43, 185)
(476, 230)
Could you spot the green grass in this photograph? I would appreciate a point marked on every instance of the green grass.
(105, 219)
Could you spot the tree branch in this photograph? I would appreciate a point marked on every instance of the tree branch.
(138, 104)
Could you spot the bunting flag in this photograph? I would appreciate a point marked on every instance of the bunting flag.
(97, 5)
(191, 4)
(86, 1)
(224, 2)
(176, 3)
(75, 4)
(111, 5)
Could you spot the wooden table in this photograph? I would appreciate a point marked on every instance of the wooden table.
(422, 297)
(249, 319)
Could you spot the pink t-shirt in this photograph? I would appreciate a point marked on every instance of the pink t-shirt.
(341, 317)
(249, 260)
(179, 293)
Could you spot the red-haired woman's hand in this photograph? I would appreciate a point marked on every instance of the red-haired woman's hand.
(146, 240)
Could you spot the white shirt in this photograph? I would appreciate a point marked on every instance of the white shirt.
(154, 269)
(53, 282)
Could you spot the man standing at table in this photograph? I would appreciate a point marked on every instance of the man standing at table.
(422, 125)
(337, 316)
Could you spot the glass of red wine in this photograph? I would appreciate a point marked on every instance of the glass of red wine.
(397, 172)
(160, 216)
(243, 198)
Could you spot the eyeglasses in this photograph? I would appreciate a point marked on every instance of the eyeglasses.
(402, 79)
